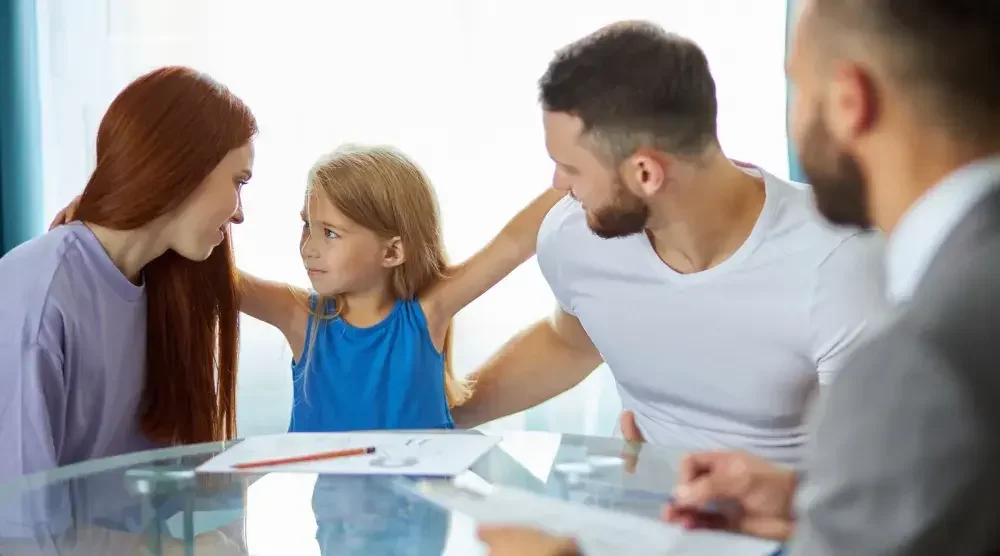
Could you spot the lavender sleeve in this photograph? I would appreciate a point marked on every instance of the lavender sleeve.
(32, 402)
(32, 396)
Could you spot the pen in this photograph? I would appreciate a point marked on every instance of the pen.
(311, 457)
(709, 508)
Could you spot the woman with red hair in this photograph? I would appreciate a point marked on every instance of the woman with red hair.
(119, 331)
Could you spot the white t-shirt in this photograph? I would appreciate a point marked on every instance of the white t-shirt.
(726, 358)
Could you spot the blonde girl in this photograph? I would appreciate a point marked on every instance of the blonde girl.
(371, 341)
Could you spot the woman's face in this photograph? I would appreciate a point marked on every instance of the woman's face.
(203, 220)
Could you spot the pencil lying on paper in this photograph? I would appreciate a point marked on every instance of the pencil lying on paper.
(310, 457)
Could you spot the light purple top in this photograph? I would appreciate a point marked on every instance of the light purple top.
(72, 354)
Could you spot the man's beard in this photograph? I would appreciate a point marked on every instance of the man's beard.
(625, 215)
(835, 175)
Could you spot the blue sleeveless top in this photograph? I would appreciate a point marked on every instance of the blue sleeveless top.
(387, 376)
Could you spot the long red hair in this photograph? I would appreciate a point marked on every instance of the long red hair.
(158, 141)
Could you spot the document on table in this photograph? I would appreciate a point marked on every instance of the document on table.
(598, 531)
(413, 454)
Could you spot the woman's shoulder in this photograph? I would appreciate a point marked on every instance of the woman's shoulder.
(32, 266)
(49, 278)
(31, 274)
(43, 253)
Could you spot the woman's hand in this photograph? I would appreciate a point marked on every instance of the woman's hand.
(67, 214)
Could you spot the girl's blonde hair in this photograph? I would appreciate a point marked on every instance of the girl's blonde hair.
(383, 190)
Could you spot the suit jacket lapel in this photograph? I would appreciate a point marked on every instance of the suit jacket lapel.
(983, 222)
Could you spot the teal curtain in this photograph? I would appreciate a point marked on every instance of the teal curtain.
(794, 170)
(20, 125)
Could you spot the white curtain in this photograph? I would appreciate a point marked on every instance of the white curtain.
(451, 82)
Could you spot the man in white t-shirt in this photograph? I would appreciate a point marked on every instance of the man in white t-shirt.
(715, 292)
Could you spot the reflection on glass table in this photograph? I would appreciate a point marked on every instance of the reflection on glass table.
(154, 503)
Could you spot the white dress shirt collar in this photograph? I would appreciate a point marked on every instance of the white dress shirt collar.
(924, 227)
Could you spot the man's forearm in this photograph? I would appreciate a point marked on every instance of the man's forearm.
(533, 367)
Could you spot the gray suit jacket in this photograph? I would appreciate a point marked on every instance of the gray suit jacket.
(905, 459)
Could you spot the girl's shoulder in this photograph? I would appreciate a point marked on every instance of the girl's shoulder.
(315, 301)
(413, 310)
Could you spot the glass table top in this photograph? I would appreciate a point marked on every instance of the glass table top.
(154, 502)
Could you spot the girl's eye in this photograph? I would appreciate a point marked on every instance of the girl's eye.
(327, 232)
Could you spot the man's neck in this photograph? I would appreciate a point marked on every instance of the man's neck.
(904, 175)
(706, 217)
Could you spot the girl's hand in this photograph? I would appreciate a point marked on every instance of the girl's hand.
(67, 214)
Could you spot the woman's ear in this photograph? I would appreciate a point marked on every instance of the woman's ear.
(394, 254)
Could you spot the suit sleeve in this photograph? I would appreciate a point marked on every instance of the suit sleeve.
(848, 298)
(902, 463)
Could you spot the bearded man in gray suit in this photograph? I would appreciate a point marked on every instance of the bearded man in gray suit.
(897, 118)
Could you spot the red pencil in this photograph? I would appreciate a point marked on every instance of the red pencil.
(311, 457)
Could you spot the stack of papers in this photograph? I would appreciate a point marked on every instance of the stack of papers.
(596, 530)
(418, 454)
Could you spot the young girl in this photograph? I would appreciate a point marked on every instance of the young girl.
(371, 342)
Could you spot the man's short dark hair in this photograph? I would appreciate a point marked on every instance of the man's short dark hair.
(942, 52)
(635, 85)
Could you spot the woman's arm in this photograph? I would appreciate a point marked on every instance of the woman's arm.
(32, 402)
(511, 247)
(281, 305)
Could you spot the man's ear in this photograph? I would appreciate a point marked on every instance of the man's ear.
(394, 254)
(852, 108)
(646, 171)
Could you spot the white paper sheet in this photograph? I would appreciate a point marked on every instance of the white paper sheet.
(416, 454)
(597, 531)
